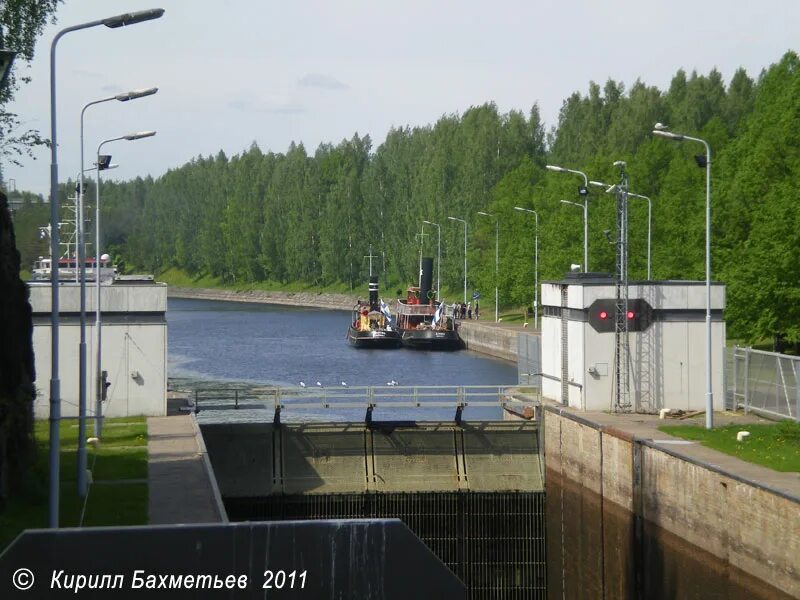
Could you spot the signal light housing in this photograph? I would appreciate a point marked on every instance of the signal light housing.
(602, 315)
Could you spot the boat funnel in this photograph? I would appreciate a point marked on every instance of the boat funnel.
(374, 303)
(426, 294)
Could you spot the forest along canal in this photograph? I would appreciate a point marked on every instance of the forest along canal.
(216, 344)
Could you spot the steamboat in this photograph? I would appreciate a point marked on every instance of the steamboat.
(423, 320)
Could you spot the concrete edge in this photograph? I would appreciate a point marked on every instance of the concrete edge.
(212, 479)
(626, 436)
(322, 301)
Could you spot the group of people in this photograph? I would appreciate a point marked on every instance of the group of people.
(465, 311)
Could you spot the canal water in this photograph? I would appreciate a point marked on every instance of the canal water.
(224, 344)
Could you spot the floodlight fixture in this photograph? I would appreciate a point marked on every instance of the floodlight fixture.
(134, 94)
(133, 17)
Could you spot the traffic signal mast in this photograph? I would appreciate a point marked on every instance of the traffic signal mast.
(622, 391)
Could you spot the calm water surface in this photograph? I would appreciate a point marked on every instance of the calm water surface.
(281, 345)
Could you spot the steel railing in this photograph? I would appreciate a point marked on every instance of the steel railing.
(368, 398)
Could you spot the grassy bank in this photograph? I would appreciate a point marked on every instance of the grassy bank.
(774, 445)
(117, 496)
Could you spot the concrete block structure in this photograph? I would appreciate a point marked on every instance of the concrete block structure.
(667, 362)
(134, 344)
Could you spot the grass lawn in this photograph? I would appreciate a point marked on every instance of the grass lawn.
(774, 445)
(117, 496)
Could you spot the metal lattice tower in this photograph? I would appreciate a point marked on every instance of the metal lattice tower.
(622, 391)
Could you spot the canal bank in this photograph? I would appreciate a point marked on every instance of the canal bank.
(634, 512)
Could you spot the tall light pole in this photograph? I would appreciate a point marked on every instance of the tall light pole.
(649, 228)
(55, 382)
(611, 188)
(660, 130)
(465, 254)
(535, 266)
(438, 255)
(585, 228)
(124, 97)
(99, 383)
(496, 261)
(584, 193)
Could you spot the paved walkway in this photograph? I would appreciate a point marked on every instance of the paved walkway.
(180, 488)
(646, 427)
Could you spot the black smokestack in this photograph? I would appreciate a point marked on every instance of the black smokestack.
(426, 280)
(373, 293)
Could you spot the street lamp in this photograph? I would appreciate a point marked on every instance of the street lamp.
(584, 191)
(438, 254)
(649, 228)
(55, 382)
(660, 130)
(123, 97)
(496, 260)
(585, 228)
(100, 389)
(465, 254)
(535, 266)
(611, 188)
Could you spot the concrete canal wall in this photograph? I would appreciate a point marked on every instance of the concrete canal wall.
(491, 339)
(307, 299)
(659, 508)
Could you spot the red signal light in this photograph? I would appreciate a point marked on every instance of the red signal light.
(631, 315)
(603, 315)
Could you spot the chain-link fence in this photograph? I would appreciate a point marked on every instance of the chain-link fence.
(763, 382)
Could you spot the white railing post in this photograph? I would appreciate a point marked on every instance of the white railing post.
(746, 380)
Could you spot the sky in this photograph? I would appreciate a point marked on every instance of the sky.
(234, 72)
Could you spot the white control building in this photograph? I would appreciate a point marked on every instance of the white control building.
(666, 362)
(134, 344)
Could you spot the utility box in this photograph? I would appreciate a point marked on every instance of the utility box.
(666, 362)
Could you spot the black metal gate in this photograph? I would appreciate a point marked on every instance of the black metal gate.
(494, 542)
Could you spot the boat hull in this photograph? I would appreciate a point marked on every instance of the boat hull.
(429, 339)
(373, 339)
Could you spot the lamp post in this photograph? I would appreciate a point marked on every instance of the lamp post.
(660, 130)
(99, 383)
(585, 228)
(535, 266)
(465, 254)
(613, 187)
(55, 382)
(438, 254)
(583, 192)
(649, 227)
(496, 261)
(124, 97)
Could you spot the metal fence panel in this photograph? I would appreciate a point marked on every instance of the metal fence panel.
(763, 382)
(529, 360)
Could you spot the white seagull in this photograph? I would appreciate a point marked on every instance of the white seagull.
(302, 384)
(319, 384)
(344, 384)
